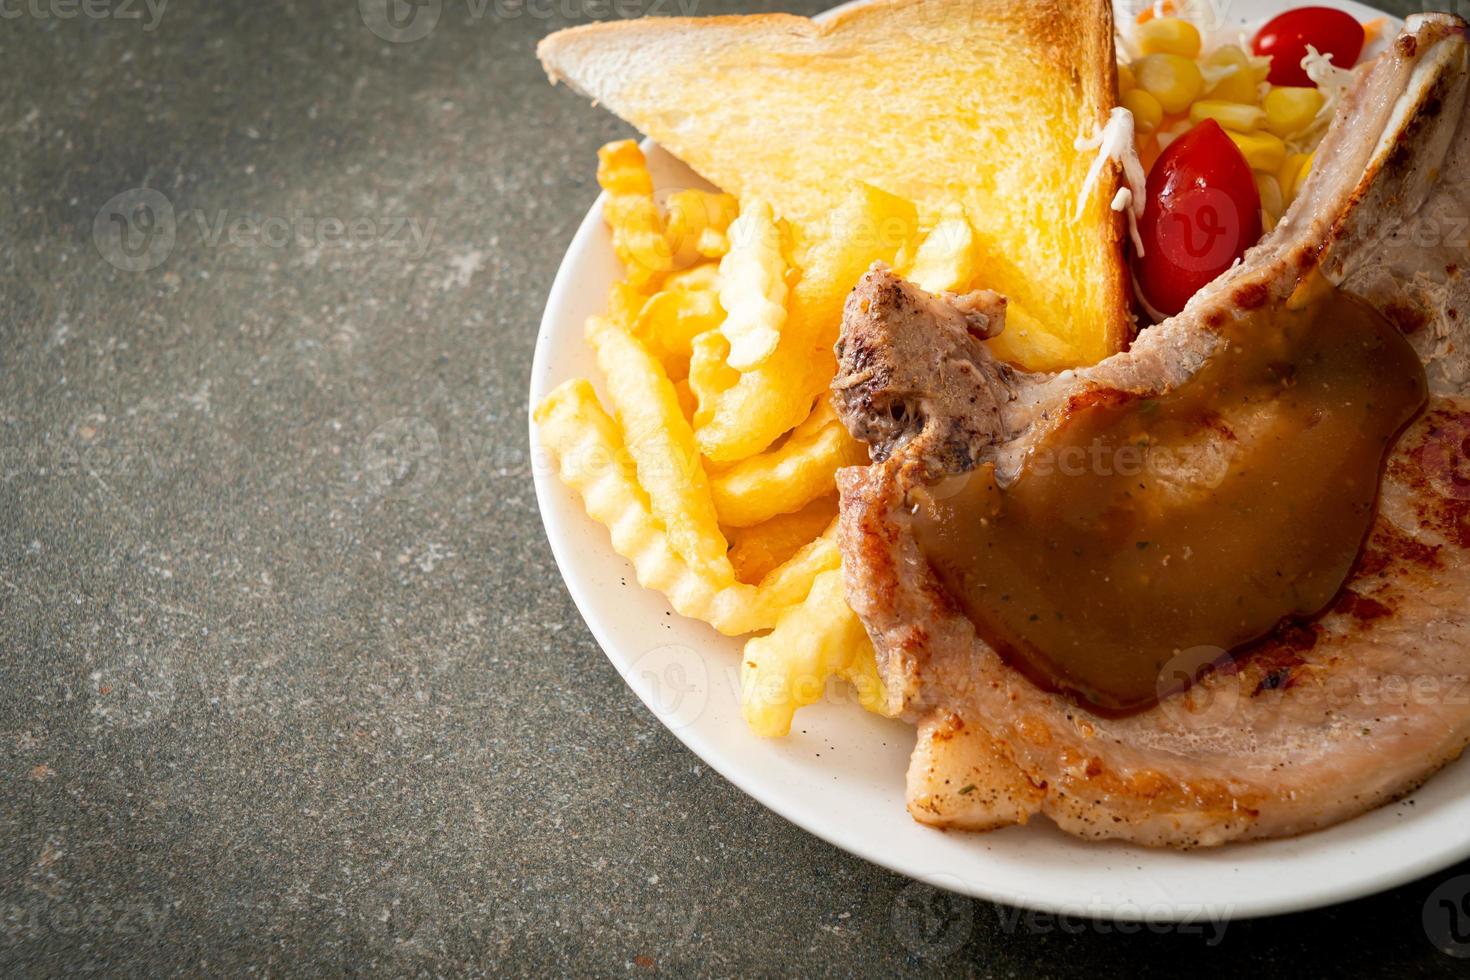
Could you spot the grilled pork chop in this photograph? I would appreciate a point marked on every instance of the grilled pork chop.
(1319, 721)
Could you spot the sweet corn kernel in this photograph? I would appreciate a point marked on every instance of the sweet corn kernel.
(1148, 152)
(1147, 113)
(1290, 110)
(1262, 150)
(1173, 80)
(1126, 81)
(1302, 175)
(1231, 115)
(1241, 86)
(1168, 35)
(1291, 168)
(1272, 200)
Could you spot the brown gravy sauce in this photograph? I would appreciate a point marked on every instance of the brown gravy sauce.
(1142, 529)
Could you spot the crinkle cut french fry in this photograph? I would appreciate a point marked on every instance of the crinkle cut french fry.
(753, 286)
(709, 375)
(671, 319)
(756, 550)
(688, 402)
(765, 403)
(787, 478)
(593, 462)
(789, 667)
(862, 674)
(624, 303)
(637, 228)
(737, 612)
(697, 224)
(946, 259)
(662, 444)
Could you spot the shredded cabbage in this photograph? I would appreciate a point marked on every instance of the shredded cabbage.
(1114, 141)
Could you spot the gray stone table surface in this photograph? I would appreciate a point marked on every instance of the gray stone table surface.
(288, 679)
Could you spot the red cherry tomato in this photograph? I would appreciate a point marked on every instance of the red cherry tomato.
(1285, 39)
(1202, 212)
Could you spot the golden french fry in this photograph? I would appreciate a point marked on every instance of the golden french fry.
(787, 478)
(709, 375)
(705, 275)
(862, 674)
(688, 402)
(946, 259)
(662, 443)
(593, 461)
(756, 550)
(697, 224)
(789, 667)
(637, 229)
(764, 403)
(753, 286)
(671, 319)
(624, 302)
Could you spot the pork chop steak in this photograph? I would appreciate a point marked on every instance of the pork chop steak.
(1320, 720)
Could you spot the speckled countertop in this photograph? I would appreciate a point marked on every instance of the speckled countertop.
(288, 679)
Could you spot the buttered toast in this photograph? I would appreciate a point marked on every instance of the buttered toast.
(976, 103)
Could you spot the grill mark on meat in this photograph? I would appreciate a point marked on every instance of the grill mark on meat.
(1251, 296)
(1309, 739)
(1390, 548)
(1362, 608)
(1439, 473)
(1408, 319)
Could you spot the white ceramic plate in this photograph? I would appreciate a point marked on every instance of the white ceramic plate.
(840, 775)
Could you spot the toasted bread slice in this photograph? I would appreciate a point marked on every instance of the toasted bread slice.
(977, 102)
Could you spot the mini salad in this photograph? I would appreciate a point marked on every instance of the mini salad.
(1226, 135)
